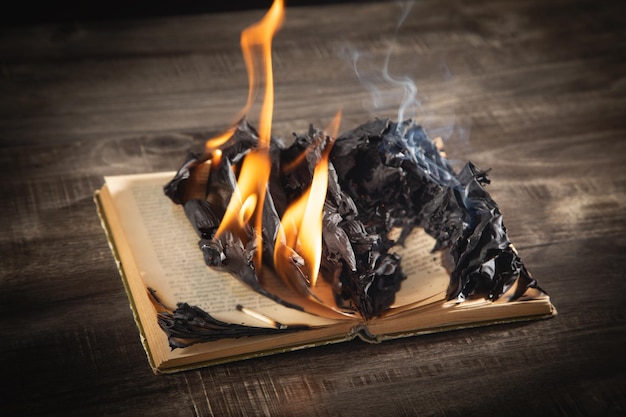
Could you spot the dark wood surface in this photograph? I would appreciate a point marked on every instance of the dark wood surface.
(534, 90)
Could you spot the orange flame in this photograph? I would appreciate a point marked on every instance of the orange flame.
(333, 127)
(301, 226)
(256, 45)
(219, 140)
(216, 159)
(298, 245)
(246, 204)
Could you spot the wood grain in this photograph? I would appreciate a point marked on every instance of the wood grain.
(534, 90)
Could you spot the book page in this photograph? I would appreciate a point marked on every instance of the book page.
(170, 262)
(426, 278)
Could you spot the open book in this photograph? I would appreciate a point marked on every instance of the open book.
(157, 255)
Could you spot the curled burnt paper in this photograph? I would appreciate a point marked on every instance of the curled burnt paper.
(397, 177)
(381, 175)
(187, 325)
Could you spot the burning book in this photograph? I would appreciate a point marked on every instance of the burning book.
(266, 247)
(407, 247)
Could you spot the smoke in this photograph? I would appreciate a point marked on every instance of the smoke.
(409, 97)
(394, 93)
(387, 90)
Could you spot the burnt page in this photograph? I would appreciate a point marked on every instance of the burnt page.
(165, 247)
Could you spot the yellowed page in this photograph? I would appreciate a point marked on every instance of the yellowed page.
(442, 315)
(426, 279)
(165, 249)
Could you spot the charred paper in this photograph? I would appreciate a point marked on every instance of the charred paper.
(381, 175)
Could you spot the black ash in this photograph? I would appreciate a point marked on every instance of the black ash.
(382, 175)
(188, 325)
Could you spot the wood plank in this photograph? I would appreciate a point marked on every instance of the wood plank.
(533, 90)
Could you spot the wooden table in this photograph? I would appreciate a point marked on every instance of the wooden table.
(534, 90)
